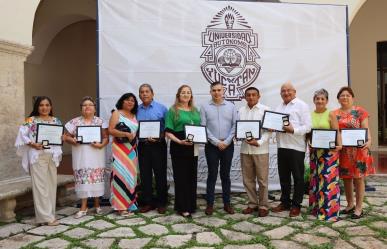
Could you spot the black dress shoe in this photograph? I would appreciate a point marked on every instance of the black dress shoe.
(355, 216)
(349, 211)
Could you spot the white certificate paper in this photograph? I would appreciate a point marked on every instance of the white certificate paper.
(199, 132)
(350, 137)
(51, 133)
(323, 139)
(273, 120)
(149, 129)
(243, 126)
(89, 134)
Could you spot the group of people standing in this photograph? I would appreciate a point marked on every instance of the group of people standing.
(139, 161)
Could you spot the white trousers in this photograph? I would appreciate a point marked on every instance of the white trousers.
(44, 184)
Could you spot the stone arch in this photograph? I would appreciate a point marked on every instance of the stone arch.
(63, 62)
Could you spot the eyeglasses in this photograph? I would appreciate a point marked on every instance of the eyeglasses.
(345, 96)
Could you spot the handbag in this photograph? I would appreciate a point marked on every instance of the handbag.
(121, 126)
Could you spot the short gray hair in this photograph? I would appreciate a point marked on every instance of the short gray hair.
(319, 92)
(145, 85)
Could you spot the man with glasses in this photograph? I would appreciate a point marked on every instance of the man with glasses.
(291, 149)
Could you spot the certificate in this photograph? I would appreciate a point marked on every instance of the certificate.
(248, 129)
(275, 120)
(49, 134)
(89, 134)
(196, 134)
(323, 139)
(355, 137)
(149, 128)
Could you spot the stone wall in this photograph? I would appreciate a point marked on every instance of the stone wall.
(12, 57)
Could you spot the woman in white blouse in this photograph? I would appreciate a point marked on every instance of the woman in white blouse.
(41, 162)
(88, 159)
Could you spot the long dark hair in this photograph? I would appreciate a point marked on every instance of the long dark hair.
(35, 110)
(126, 96)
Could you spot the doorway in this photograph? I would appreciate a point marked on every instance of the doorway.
(382, 91)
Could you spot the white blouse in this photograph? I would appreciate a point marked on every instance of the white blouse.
(27, 134)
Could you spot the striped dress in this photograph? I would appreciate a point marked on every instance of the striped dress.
(124, 172)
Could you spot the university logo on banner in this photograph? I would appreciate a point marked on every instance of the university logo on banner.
(230, 55)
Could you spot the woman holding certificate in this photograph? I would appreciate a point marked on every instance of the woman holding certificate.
(123, 127)
(183, 153)
(87, 154)
(40, 159)
(324, 191)
(355, 162)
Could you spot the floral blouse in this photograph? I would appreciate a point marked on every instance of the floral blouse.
(71, 126)
(27, 134)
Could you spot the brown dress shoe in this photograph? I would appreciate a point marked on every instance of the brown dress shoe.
(280, 208)
(209, 210)
(228, 209)
(294, 212)
(263, 212)
(161, 210)
(249, 210)
(146, 209)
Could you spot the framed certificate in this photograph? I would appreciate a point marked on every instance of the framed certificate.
(248, 129)
(149, 128)
(275, 120)
(49, 134)
(196, 134)
(89, 134)
(355, 137)
(323, 139)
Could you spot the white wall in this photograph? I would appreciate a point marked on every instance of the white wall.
(17, 19)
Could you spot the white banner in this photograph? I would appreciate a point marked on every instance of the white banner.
(170, 42)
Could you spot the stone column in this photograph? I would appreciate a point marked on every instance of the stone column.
(12, 113)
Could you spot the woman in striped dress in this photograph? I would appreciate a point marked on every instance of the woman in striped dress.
(123, 127)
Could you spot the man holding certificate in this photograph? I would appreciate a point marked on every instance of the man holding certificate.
(255, 156)
(291, 149)
(219, 116)
(152, 151)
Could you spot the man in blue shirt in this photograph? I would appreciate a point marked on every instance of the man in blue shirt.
(152, 154)
(220, 117)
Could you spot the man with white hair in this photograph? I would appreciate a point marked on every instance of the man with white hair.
(291, 149)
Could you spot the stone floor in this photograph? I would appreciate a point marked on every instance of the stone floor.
(221, 230)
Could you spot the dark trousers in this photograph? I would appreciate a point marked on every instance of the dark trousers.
(291, 163)
(185, 177)
(153, 160)
(214, 156)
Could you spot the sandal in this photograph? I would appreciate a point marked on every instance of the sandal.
(80, 214)
(53, 223)
(125, 213)
(348, 211)
(355, 216)
(186, 214)
(98, 210)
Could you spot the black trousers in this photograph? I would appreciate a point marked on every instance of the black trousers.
(291, 163)
(153, 160)
(185, 167)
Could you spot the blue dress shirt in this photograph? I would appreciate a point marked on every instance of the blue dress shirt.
(154, 111)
